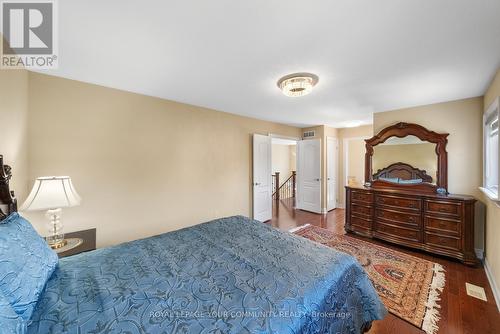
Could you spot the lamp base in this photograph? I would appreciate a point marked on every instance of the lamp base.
(55, 239)
(59, 244)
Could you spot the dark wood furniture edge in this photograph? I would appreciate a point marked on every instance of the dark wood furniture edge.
(6, 195)
(366, 327)
(416, 173)
(410, 192)
(402, 130)
(89, 242)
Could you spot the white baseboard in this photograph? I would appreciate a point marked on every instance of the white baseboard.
(493, 284)
(479, 253)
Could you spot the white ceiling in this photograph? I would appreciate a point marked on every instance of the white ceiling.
(370, 56)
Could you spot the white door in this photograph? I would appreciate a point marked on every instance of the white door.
(262, 182)
(331, 173)
(309, 175)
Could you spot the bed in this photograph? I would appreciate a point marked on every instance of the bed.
(230, 275)
(403, 173)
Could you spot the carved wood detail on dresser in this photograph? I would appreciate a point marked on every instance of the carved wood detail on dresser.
(439, 224)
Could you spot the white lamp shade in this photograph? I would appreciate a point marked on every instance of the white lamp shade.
(51, 192)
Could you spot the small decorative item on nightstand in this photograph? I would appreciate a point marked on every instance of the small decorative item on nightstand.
(78, 242)
(52, 193)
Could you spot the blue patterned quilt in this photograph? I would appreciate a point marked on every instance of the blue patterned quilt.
(231, 275)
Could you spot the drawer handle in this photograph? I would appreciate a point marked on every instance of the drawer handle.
(411, 205)
(442, 210)
(411, 219)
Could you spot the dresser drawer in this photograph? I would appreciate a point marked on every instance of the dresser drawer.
(361, 222)
(443, 226)
(443, 208)
(398, 232)
(440, 241)
(362, 196)
(413, 220)
(361, 210)
(399, 202)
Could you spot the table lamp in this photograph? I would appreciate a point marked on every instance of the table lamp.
(52, 193)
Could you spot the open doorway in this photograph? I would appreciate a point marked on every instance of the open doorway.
(274, 174)
(284, 168)
(286, 175)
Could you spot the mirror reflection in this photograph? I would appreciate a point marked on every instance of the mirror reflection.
(405, 160)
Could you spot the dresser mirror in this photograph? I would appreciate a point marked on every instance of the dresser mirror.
(405, 160)
(407, 156)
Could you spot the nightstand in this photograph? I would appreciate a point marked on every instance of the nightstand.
(88, 244)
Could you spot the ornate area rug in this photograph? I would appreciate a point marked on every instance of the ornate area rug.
(408, 286)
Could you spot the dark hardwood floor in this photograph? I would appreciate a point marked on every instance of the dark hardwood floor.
(460, 313)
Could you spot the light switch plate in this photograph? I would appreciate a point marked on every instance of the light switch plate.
(475, 291)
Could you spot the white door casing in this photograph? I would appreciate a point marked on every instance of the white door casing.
(331, 172)
(309, 175)
(262, 179)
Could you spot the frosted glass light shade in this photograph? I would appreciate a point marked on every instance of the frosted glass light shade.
(51, 192)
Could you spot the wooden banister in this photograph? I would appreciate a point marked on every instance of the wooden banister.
(277, 186)
(286, 189)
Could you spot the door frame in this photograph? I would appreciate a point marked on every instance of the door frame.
(273, 135)
(335, 140)
(296, 139)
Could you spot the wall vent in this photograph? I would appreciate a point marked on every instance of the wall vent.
(309, 134)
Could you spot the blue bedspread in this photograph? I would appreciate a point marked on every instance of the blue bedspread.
(231, 275)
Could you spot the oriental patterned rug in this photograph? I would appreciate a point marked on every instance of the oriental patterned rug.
(408, 286)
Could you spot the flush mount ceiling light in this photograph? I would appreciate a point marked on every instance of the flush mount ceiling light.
(297, 84)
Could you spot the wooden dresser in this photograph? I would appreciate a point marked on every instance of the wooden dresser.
(439, 224)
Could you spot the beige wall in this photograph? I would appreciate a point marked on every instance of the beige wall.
(421, 156)
(492, 249)
(14, 121)
(355, 167)
(142, 165)
(493, 91)
(352, 139)
(462, 119)
(292, 153)
(283, 160)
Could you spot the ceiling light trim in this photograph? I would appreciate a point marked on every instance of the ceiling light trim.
(297, 84)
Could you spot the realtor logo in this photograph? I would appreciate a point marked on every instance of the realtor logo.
(29, 34)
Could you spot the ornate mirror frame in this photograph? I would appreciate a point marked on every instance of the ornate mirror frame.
(402, 130)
